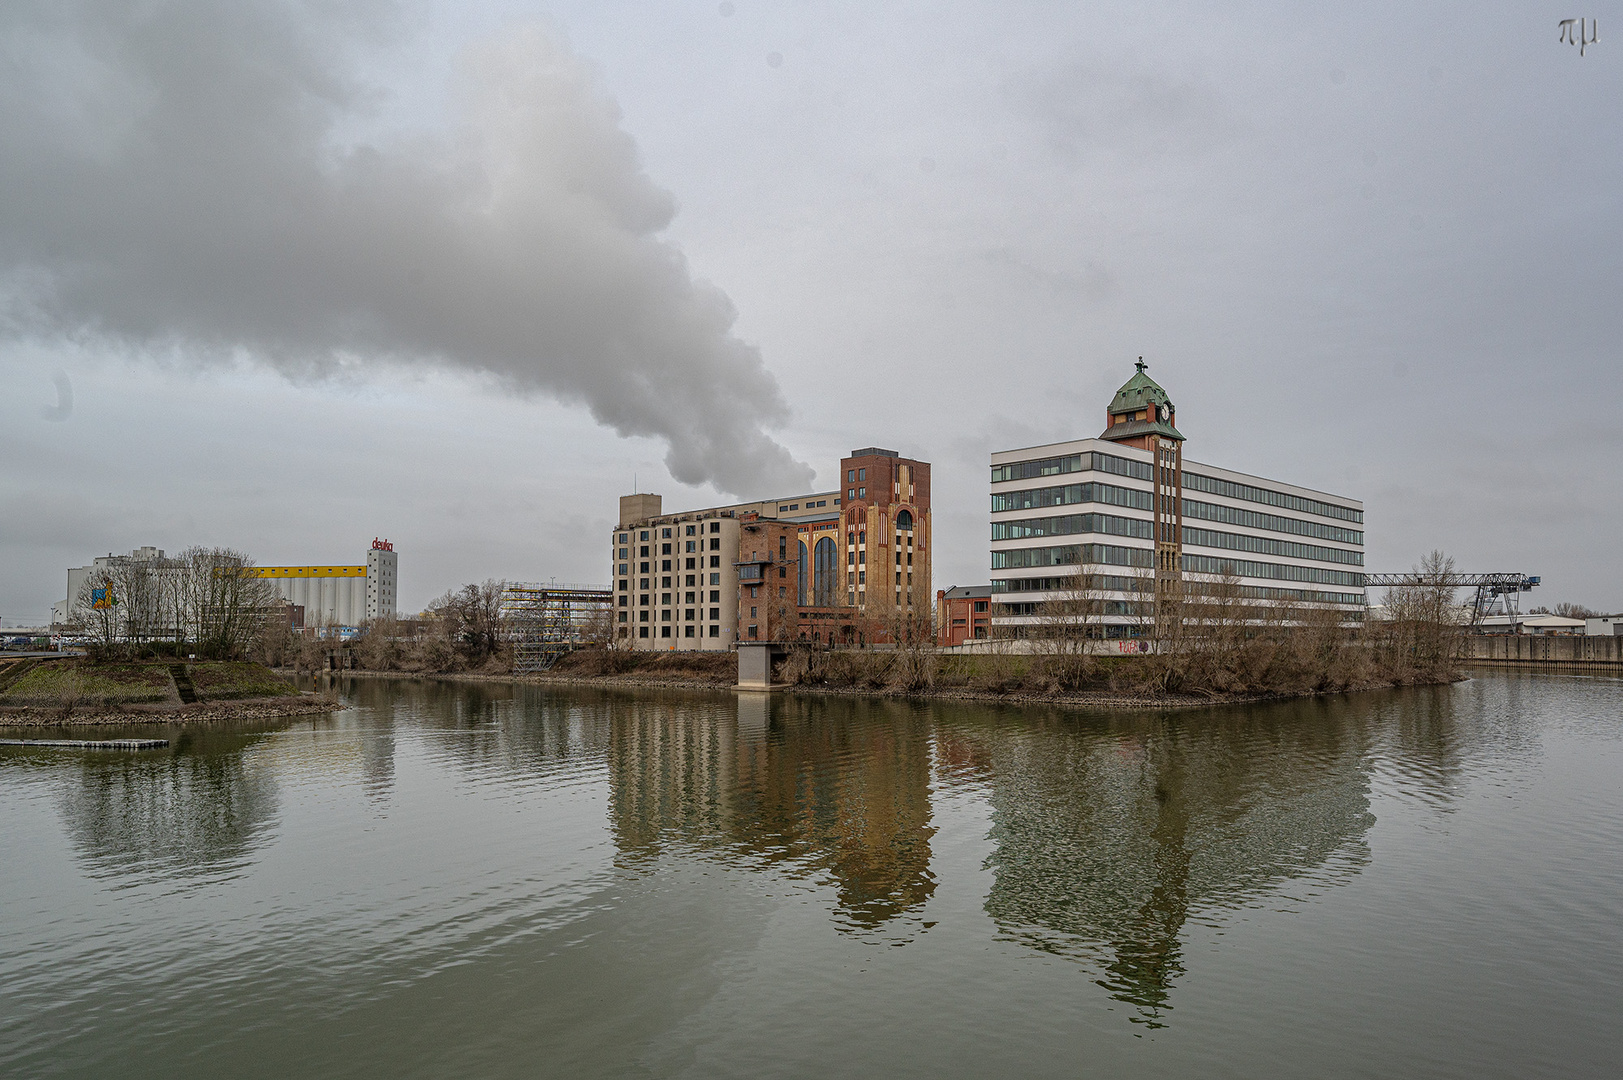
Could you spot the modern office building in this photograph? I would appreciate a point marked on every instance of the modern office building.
(329, 595)
(848, 565)
(1139, 526)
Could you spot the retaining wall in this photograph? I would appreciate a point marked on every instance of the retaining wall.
(1545, 650)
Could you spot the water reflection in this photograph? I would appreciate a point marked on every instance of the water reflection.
(197, 812)
(835, 790)
(1108, 837)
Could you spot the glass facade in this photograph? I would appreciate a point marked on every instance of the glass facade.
(1071, 524)
(1267, 545)
(1035, 498)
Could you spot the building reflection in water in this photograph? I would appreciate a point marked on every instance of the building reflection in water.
(1108, 837)
(838, 791)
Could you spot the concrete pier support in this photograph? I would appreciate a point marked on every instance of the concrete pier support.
(755, 660)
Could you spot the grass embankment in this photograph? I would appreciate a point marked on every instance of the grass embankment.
(698, 668)
(69, 684)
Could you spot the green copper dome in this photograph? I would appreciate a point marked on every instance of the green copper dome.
(1147, 406)
(1139, 392)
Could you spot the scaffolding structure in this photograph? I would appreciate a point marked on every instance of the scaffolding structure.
(1492, 590)
(546, 621)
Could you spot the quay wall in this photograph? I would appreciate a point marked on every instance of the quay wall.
(1541, 650)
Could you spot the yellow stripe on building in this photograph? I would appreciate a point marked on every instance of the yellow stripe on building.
(309, 571)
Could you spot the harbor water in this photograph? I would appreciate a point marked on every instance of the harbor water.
(487, 879)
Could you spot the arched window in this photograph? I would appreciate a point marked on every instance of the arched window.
(826, 582)
(800, 573)
(904, 521)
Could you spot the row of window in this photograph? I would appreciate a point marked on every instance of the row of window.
(1055, 466)
(1267, 545)
(1211, 564)
(1100, 462)
(1035, 498)
(1133, 498)
(792, 507)
(1232, 489)
(1072, 555)
(1113, 555)
(1255, 519)
(1111, 583)
(666, 631)
(668, 615)
(1071, 524)
(1114, 525)
(669, 532)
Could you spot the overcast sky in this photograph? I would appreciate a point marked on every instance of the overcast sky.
(286, 277)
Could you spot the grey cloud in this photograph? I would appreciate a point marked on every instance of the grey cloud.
(175, 184)
(64, 399)
(1088, 107)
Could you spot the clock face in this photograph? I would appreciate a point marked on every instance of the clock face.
(1166, 412)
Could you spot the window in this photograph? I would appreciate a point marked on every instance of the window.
(851, 557)
(898, 577)
(624, 599)
(715, 631)
(623, 616)
(783, 571)
(642, 583)
(664, 582)
(690, 531)
(665, 534)
(664, 631)
(850, 475)
(752, 613)
(642, 616)
(687, 614)
(643, 551)
(850, 494)
(800, 576)
(665, 599)
(689, 580)
(904, 521)
(783, 590)
(715, 543)
(862, 493)
(664, 549)
(625, 538)
(687, 631)
(693, 545)
(623, 552)
(692, 564)
(862, 474)
(980, 606)
(715, 579)
(715, 527)
(715, 561)
(623, 568)
(642, 631)
(688, 599)
(824, 579)
(862, 577)
(644, 536)
(898, 558)
(753, 590)
(643, 600)
(715, 613)
(753, 634)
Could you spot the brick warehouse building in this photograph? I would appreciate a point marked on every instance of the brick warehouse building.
(773, 570)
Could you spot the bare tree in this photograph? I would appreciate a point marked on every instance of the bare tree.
(1072, 617)
(471, 617)
(96, 607)
(224, 601)
(1420, 636)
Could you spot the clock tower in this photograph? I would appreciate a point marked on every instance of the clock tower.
(1141, 415)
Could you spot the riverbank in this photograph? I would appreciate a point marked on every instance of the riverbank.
(265, 708)
(695, 677)
(76, 691)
